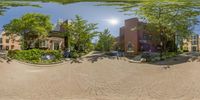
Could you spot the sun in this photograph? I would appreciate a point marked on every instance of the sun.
(113, 21)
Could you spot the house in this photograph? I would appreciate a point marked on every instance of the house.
(54, 41)
(9, 42)
(192, 44)
(135, 39)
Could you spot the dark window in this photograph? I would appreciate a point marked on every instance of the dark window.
(0, 40)
(7, 40)
(150, 37)
(145, 36)
(56, 46)
(12, 46)
(194, 42)
(1, 47)
(194, 37)
(7, 47)
(194, 48)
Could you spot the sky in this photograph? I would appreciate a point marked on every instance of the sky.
(106, 16)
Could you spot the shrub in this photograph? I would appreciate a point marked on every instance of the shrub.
(147, 56)
(74, 55)
(11, 53)
(34, 55)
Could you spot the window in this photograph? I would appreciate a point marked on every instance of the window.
(44, 43)
(194, 42)
(130, 46)
(12, 46)
(133, 29)
(56, 46)
(150, 37)
(7, 40)
(7, 47)
(194, 37)
(1, 47)
(147, 36)
(194, 48)
(0, 40)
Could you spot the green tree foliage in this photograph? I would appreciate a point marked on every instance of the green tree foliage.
(35, 55)
(30, 27)
(170, 17)
(73, 1)
(105, 42)
(4, 5)
(126, 4)
(80, 34)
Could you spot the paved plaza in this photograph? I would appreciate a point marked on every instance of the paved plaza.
(102, 79)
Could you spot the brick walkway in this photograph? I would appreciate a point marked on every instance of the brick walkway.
(106, 79)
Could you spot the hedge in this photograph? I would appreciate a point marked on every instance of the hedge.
(34, 55)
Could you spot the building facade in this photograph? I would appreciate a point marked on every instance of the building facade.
(192, 44)
(9, 42)
(135, 39)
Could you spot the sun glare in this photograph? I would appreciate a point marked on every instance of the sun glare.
(113, 21)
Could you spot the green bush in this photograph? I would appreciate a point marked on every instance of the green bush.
(34, 55)
(169, 55)
(74, 54)
(11, 53)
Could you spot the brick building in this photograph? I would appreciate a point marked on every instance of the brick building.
(134, 38)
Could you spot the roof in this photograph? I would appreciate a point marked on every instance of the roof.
(54, 34)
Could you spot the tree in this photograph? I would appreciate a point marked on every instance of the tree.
(170, 19)
(67, 32)
(106, 41)
(31, 27)
(79, 34)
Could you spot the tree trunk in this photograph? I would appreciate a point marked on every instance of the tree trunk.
(66, 42)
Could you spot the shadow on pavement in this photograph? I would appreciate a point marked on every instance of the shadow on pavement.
(95, 58)
(183, 58)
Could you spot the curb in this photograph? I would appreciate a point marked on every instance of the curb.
(41, 65)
